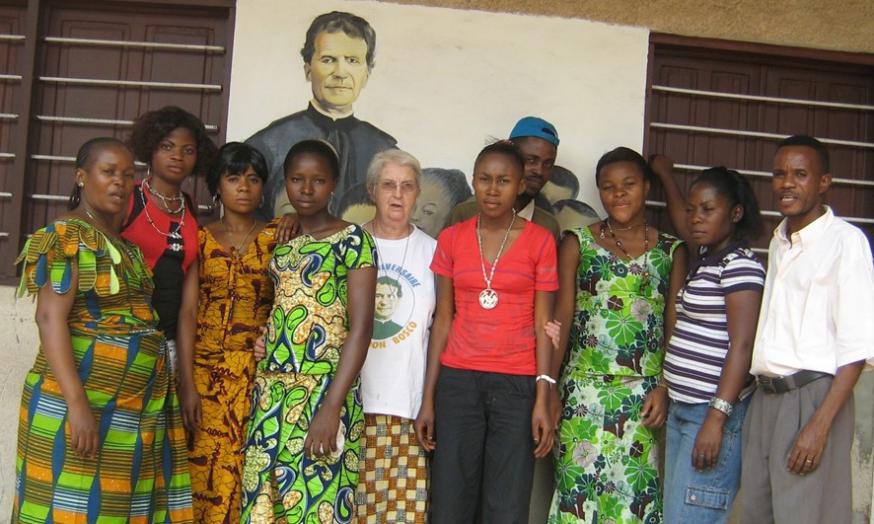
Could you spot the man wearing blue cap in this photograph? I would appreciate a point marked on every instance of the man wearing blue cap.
(537, 139)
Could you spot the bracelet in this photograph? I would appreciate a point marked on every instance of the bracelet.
(721, 405)
(547, 378)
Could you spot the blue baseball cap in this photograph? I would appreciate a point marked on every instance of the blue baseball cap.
(536, 127)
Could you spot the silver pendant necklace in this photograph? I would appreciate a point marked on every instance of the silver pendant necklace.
(488, 297)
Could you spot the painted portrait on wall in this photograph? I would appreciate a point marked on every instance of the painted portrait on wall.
(338, 56)
(441, 190)
(440, 83)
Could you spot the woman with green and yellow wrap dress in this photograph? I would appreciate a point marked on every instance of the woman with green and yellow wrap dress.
(302, 450)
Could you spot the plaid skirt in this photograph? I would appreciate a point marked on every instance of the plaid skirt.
(393, 484)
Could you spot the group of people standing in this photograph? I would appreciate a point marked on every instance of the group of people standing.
(312, 370)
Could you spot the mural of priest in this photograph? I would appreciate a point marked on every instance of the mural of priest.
(338, 56)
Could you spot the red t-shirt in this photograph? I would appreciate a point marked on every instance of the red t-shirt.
(499, 340)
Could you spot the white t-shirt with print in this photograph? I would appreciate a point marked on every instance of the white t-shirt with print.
(394, 373)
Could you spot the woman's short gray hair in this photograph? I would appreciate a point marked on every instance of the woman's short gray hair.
(397, 157)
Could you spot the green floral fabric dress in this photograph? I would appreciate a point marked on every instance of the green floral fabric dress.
(305, 335)
(606, 463)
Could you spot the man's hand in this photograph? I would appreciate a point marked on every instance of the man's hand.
(806, 454)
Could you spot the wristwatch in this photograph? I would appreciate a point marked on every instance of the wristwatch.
(721, 405)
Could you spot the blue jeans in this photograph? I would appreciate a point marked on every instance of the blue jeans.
(706, 496)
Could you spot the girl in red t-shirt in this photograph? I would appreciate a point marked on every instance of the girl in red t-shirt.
(496, 279)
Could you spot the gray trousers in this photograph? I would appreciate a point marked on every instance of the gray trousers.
(770, 492)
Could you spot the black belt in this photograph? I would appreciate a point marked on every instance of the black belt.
(788, 383)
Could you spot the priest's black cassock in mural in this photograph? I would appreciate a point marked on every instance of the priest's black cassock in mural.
(338, 57)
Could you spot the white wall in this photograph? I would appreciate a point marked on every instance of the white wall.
(18, 345)
(446, 80)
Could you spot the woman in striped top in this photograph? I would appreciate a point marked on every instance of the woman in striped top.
(708, 358)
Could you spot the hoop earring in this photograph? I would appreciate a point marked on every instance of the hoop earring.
(75, 197)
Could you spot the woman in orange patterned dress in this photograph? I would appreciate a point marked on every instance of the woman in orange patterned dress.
(234, 300)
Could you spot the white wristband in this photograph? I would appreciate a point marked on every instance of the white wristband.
(547, 378)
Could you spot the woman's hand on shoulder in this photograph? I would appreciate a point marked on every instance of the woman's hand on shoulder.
(287, 228)
(259, 348)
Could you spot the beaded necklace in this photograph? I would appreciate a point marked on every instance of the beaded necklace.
(645, 276)
(174, 236)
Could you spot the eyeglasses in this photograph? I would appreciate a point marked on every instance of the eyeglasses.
(391, 186)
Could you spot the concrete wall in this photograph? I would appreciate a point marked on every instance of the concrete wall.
(863, 445)
(839, 25)
(19, 341)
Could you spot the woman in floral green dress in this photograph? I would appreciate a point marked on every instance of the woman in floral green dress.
(615, 276)
(303, 440)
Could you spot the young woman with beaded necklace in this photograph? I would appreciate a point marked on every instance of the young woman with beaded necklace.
(618, 278)
(484, 414)
(161, 221)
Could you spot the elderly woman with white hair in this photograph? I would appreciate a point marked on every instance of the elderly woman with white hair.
(393, 480)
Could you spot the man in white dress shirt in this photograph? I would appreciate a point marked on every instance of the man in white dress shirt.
(814, 337)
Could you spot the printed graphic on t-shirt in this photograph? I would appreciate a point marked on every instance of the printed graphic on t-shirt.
(395, 302)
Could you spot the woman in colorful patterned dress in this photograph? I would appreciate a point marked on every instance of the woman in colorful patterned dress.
(234, 300)
(100, 435)
(615, 276)
(303, 440)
